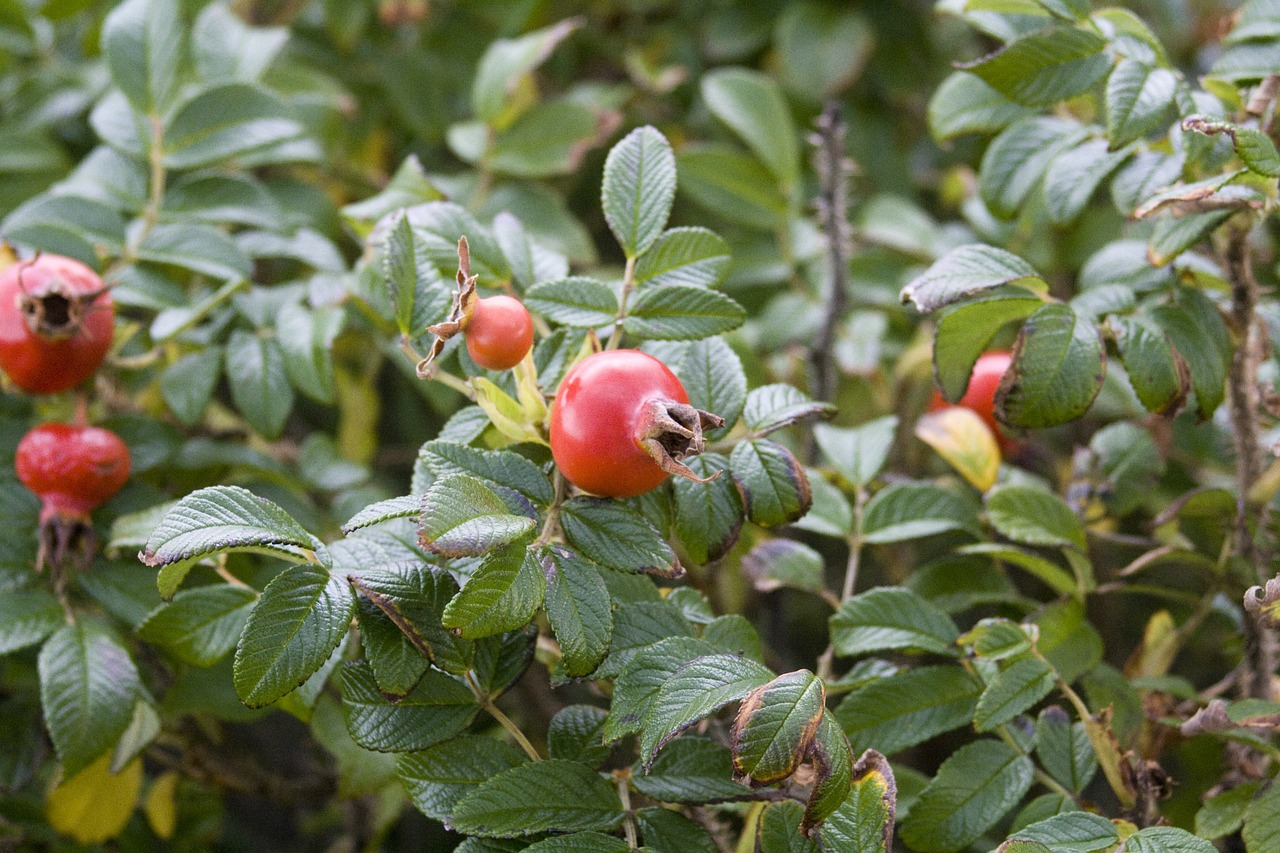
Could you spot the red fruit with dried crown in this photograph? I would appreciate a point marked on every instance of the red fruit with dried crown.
(56, 320)
(621, 422)
(73, 470)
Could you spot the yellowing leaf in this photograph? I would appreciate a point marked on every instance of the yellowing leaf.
(93, 806)
(962, 438)
(1160, 645)
(159, 805)
(509, 416)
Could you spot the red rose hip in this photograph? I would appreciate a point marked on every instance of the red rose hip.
(73, 470)
(499, 332)
(621, 422)
(980, 396)
(56, 320)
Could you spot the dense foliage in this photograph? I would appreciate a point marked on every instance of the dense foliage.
(348, 600)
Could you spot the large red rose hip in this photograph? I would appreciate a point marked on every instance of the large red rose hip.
(73, 470)
(621, 422)
(980, 396)
(56, 320)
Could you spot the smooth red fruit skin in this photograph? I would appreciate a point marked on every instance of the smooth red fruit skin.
(499, 332)
(594, 419)
(72, 469)
(980, 396)
(46, 365)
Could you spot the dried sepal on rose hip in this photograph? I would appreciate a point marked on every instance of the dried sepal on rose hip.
(621, 423)
(73, 470)
(498, 329)
(56, 322)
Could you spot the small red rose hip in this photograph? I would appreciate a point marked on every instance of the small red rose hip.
(499, 332)
(73, 470)
(56, 321)
(980, 396)
(621, 422)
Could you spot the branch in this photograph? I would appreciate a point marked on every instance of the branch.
(833, 170)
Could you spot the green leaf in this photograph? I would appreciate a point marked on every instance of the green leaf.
(1064, 749)
(913, 510)
(1072, 177)
(964, 103)
(663, 829)
(691, 257)
(1034, 517)
(639, 624)
(575, 301)
(188, 383)
(889, 618)
(302, 616)
(775, 726)
(503, 594)
(142, 41)
(696, 690)
(639, 188)
(1261, 822)
(580, 842)
(708, 516)
(306, 339)
(1139, 100)
(1247, 61)
(200, 625)
(1045, 66)
(548, 139)
(967, 270)
(224, 519)
(965, 332)
(574, 735)
(864, 821)
(1197, 335)
(505, 66)
(1223, 813)
(1024, 683)
(439, 707)
(551, 795)
(902, 710)
(691, 770)
(712, 374)
(1073, 832)
(857, 453)
(775, 487)
(225, 48)
(649, 666)
(397, 662)
(772, 407)
(1169, 839)
(27, 616)
(777, 563)
(996, 638)
(226, 121)
(578, 609)
(820, 49)
(1058, 368)
(1159, 374)
(833, 763)
(681, 313)
(975, 787)
(1174, 235)
(259, 385)
(462, 517)
(1016, 160)
(751, 104)
(1069, 10)
(197, 247)
(414, 598)
(503, 469)
(613, 535)
(1067, 640)
(221, 199)
(734, 186)
(1021, 846)
(400, 272)
(66, 225)
(440, 775)
(88, 685)
(780, 830)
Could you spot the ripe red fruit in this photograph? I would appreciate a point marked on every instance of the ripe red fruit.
(980, 396)
(499, 333)
(621, 422)
(73, 470)
(56, 321)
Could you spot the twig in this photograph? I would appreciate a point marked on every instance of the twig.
(833, 207)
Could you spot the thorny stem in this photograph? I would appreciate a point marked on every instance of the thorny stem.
(833, 206)
(1243, 396)
(623, 780)
(850, 579)
(628, 284)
